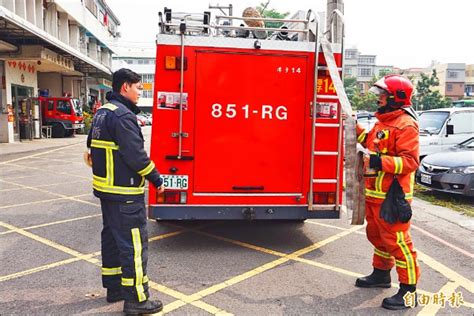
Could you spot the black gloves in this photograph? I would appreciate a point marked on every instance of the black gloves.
(395, 207)
(375, 162)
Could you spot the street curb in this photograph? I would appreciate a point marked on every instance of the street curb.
(445, 214)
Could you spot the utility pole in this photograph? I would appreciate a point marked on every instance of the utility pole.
(337, 25)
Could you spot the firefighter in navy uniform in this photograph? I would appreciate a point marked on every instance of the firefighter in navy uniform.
(120, 166)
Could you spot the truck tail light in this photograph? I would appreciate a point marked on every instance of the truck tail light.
(174, 63)
(170, 62)
(324, 198)
(172, 197)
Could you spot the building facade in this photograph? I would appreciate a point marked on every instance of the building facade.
(452, 77)
(363, 67)
(469, 85)
(141, 61)
(58, 47)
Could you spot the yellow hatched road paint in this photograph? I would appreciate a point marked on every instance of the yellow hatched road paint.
(432, 309)
(39, 186)
(88, 257)
(40, 169)
(429, 261)
(242, 277)
(447, 272)
(31, 203)
(40, 154)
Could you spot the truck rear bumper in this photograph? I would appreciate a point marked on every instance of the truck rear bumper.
(180, 212)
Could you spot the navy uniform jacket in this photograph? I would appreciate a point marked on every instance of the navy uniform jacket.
(119, 161)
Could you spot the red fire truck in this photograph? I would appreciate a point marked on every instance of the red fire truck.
(236, 131)
(63, 114)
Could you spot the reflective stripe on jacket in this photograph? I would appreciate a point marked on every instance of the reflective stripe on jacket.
(119, 161)
(395, 137)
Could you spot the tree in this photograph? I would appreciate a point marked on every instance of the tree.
(271, 13)
(425, 98)
(359, 101)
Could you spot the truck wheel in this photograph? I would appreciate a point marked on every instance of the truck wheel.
(58, 131)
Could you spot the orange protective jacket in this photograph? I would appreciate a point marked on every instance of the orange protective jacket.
(395, 137)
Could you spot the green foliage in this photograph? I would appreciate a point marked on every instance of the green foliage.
(425, 98)
(271, 13)
(462, 204)
(359, 101)
(88, 117)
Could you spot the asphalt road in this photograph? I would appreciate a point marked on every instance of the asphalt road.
(50, 254)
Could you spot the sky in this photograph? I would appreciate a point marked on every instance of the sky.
(402, 33)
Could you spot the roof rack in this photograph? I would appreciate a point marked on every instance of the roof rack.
(301, 27)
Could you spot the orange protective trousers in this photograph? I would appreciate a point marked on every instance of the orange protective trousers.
(392, 245)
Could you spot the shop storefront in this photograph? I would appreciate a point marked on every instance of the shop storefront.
(21, 83)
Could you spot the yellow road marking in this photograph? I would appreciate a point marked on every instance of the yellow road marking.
(89, 258)
(302, 260)
(432, 309)
(182, 300)
(74, 198)
(42, 240)
(39, 154)
(61, 160)
(30, 203)
(56, 172)
(435, 265)
(62, 196)
(333, 226)
(237, 279)
(447, 272)
(54, 223)
(39, 186)
(47, 266)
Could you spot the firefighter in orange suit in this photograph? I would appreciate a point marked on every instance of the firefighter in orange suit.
(394, 156)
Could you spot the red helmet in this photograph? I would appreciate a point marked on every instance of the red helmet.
(398, 87)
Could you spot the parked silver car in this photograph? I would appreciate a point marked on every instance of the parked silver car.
(449, 171)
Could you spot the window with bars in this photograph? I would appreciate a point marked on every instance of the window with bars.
(146, 78)
(147, 94)
(452, 74)
(365, 72)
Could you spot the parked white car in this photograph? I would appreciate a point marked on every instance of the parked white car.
(443, 128)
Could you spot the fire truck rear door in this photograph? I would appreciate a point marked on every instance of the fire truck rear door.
(249, 126)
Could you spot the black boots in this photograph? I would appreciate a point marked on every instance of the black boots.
(378, 278)
(399, 301)
(114, 296)
(146, 307)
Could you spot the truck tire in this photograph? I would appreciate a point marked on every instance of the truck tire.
(58, 130)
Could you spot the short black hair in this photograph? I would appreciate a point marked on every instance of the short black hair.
(122, 76)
